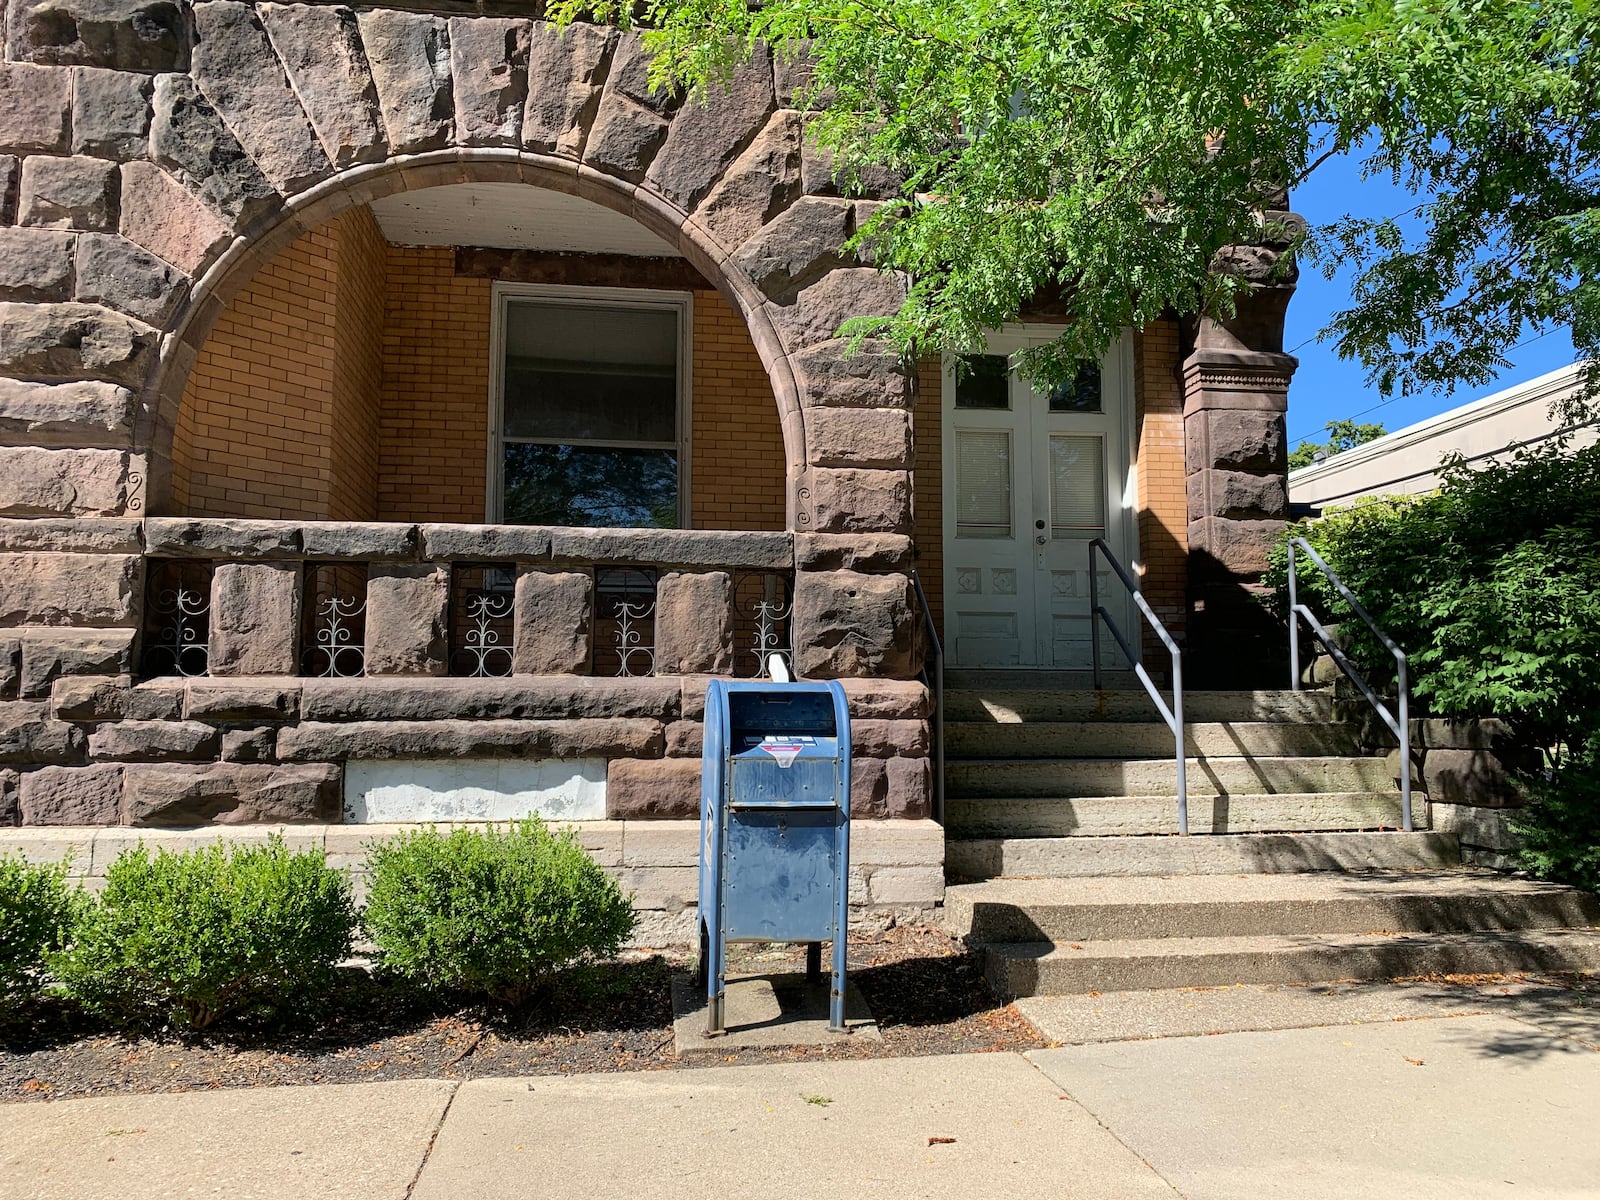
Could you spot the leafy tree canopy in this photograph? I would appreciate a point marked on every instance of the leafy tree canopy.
(1112, 149)
(1342, 435)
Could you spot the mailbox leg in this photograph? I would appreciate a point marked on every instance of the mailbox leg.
(836, 989)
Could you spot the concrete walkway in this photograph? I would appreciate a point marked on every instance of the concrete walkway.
(1458, 1106)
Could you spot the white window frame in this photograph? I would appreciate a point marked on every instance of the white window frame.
(504, 294)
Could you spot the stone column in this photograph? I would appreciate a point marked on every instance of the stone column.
(255, 619)
(694, 623)
(554, 620)
(1236, 391)
(407, 633)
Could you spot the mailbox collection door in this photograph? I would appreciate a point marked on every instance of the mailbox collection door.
(780, 874)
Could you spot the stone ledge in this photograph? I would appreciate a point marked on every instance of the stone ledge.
(537, 697)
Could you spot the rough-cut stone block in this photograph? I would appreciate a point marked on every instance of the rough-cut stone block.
(236, 69)
(707, 134)
(36, 482)
(71, 795)
(332, 740)
(70, 589)
(852, 552)
(255, 619)
(230, 794)
(485, 543)
(406, 630)
(889, 699)
(1235, 440)
(226, 700)
(68, 193)
(52, 342)
(804, 242)
(685, 739)
(154, 741)
(370, 541)
(84, 535)
(10, 814)
(189, 139)
(35, 265)
(1470, 777)
(35, 107)
(158, 213)
(898, 788)
(860, 437)
(213, 537)
(761, 183)
(1483, 734)
(546, 697)
(873, 737)
(256, 745)
(674, 547)
(625, 137)
(320, 48)
(860, 500)
(28, 735)
(554, 612)
(630, 76)
(1236, 547)
(694, 622)
(10, 666)
(117, 699)
(850, 624)
(1237, 495)
(10, 169)
(872, 376)
(820, 308)
(129, 35)
(820, 177)
(489, 66)
(110, 113)
(49, 654)
(1485, 828)
(567, 68)
(652, 789)
(409, 54)
(112, 271)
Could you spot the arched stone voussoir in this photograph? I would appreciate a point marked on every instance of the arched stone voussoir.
(569, 67)
(321, 51)
(190, 140)
(489, 78)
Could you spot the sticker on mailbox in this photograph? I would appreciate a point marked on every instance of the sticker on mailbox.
(786, 750)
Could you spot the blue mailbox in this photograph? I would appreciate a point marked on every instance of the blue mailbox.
(774, 827)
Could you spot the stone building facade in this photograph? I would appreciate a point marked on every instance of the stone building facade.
(276, 284)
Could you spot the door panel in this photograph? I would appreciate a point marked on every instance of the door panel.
(1030, 479)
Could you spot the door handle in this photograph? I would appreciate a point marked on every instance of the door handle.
(1041, 537)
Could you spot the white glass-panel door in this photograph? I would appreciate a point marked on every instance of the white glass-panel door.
(1030, 479)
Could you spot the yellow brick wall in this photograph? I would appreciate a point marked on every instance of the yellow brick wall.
(1163, 500)
(927, 485)
(350, 381)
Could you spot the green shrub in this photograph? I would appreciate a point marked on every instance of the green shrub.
(37, 911)
(495, 911)
(1560, 828)
(186, 940)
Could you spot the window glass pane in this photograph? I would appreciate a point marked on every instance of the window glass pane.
(1077, 486)
(591, 372)
(982, 381)
(983, 483)
(1082, 395)
(589, 485)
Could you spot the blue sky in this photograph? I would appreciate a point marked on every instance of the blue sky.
(1328, 388)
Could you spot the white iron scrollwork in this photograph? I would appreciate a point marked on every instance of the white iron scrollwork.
(336, 654)
(632, 651)
(483, 653)
(182, 641)
(770, 637)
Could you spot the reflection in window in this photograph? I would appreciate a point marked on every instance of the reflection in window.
(589, 429)
(982, 381)
(1079, 395)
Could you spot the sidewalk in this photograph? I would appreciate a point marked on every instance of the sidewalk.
(1450, 1106)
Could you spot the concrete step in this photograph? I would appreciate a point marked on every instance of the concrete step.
(1106, 909)
(997, 777)
(1096, 816)
(1006, 704)
(1222, 854)
(1145, 739)
(1049, 968)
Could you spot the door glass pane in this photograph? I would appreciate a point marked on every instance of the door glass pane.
(983, 483)
(591, 372)
(590, 485)
(1081, 395)
(1077, 486)
(983, 381)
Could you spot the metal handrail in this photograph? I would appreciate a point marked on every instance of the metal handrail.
(1173, 714)
(1399, 725)
(935, 681)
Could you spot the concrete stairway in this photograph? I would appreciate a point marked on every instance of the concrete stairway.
(1058, 799)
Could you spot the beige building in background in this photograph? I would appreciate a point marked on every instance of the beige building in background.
(1407, 462)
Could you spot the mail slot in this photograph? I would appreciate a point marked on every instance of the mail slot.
(774, 827)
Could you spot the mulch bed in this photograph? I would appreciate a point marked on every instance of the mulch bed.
(925, 990)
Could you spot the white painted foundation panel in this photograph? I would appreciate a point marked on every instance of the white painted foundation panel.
(485, 789)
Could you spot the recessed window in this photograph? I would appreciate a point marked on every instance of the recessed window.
(591, 411)
(983, 381)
